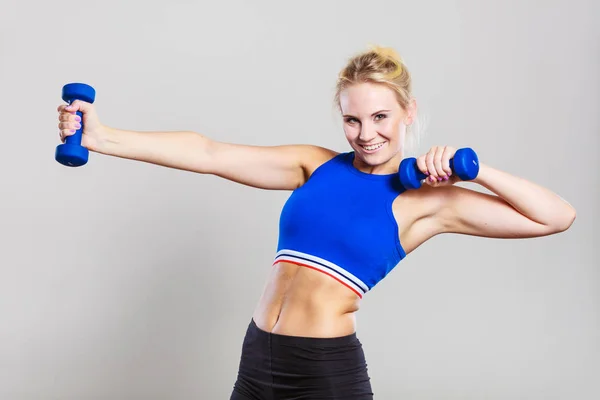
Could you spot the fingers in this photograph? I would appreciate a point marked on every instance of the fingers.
(430, 162)
(447, 154)
(436, 164)
(439, 167)
(425, 166)
(76, 105)
(69, 122)
(66, 117)
(422, 165)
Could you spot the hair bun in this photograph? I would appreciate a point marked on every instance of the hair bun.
(386, 52)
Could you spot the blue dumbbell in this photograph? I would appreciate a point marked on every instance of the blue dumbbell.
(72, 153)
(464, 164)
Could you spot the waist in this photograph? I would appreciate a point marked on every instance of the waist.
(334, 271)
(300, 301)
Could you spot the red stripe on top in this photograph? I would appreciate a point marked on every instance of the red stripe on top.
(326, 273)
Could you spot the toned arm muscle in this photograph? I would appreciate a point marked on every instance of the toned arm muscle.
(479, 214)
(517, 209)
(283, 167)
(266, 167)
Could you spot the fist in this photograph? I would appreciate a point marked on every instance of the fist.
(69, 122)
(436, 165)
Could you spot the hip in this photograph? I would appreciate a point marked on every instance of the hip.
(276, 366)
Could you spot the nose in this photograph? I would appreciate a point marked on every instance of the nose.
(367, 132)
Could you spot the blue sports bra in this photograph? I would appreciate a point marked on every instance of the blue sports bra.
(340, 222)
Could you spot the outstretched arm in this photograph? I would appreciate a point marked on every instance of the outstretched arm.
(517, 209)
(283, 167)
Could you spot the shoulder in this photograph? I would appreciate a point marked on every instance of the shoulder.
(313, 157)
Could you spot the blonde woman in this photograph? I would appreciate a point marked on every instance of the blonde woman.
(347, 223)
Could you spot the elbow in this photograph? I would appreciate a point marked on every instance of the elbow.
(563, 221)
(205, 150)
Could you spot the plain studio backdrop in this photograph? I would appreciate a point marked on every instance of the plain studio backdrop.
(124, 280)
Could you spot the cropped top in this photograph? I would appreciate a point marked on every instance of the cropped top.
(340, 222)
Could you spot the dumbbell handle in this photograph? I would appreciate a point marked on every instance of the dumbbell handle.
(464, 164)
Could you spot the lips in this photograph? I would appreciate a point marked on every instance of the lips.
(373, 147)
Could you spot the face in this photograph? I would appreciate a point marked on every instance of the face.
(375, 126)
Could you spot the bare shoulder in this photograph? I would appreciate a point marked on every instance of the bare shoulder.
(314, 156)
(280, 167)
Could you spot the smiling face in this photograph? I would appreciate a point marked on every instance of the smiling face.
(375, 126)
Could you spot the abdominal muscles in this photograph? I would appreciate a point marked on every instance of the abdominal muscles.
(299, 301)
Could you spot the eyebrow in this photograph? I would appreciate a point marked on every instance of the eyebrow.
(375, 113)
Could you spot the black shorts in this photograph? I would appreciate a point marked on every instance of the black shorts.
(278, 367)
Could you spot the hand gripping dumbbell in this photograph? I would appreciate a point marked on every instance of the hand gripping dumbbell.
(464, 164)
(72, 153)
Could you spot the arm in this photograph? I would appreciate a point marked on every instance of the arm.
(520, 209)
(284, 167)
(517, 209)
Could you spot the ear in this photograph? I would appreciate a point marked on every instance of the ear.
(411, 112)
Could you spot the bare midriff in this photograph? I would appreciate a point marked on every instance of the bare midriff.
(299, 301)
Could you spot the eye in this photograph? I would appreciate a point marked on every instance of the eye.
(380, 116)
(350, 120)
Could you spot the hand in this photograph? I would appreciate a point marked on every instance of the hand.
(93, 131)
(436, 165)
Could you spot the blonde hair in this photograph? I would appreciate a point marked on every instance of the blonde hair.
(379, 65)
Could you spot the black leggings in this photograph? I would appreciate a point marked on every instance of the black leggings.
(280, 367)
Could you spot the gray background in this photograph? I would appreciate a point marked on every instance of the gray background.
(123, 280)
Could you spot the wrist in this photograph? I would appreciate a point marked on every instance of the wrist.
(107, 139)
(482, 175)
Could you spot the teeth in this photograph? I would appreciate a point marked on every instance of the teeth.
(373, 147)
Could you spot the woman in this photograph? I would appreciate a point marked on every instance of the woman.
(347, 223)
